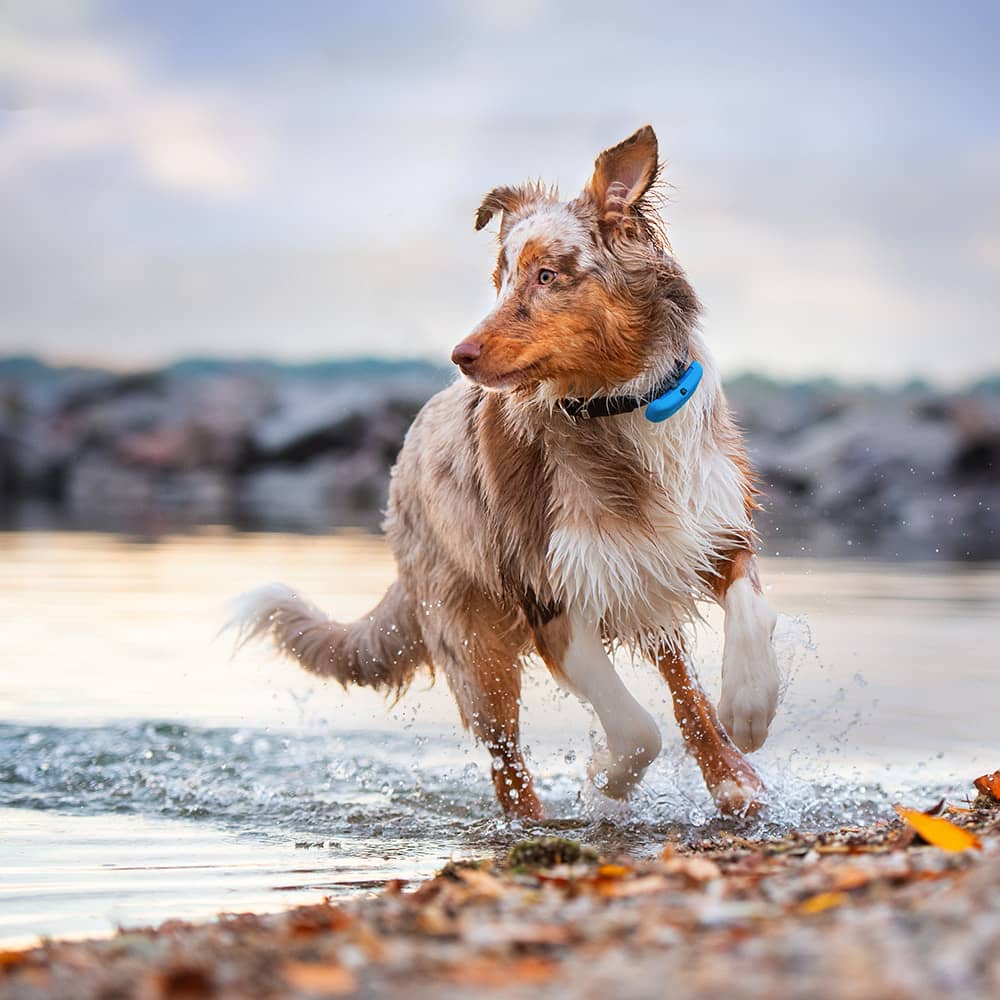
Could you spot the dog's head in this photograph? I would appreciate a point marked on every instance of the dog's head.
(588, 298)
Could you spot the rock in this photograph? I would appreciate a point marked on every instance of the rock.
(102, 492)
(909, 473)
(315, 496)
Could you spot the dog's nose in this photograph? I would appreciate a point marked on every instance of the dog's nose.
(466, 352)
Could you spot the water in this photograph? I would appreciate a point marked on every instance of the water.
(144, 774)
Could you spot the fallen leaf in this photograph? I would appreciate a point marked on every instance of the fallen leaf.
(694, 868)
(428, 891)
(821, 902)
(10, 958)
(185, 983)
(939, 832)
(482, 883)
(313, 920)
(935, 810)
(613, 871)
(319, 979)
(850, 877)
(497, 972)
(989, 785)
(515, 932)
(433, 920)
(643, 886)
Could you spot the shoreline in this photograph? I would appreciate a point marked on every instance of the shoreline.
(859, 911)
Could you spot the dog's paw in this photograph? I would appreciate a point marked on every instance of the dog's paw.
(749, 702)
(739, 797)
(749, 668)
(613, 777)
(616, 775)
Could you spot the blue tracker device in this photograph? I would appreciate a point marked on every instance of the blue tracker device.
(673, 399)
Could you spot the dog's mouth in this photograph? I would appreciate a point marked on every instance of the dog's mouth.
(503, 380)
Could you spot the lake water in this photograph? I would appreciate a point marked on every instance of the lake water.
(147, 774)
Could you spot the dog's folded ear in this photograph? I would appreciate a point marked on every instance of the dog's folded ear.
(500, 199)
(623, 175)
(512, 202)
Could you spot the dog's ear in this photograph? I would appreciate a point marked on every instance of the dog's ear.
(623, 174)
(512, 202)
(501, 199)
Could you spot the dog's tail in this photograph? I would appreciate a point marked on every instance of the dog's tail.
(381, 650)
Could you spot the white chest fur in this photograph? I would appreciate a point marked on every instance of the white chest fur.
(646, 576)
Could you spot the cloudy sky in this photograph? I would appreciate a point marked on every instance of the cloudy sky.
(299, 179)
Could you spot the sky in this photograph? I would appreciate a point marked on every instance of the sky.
(298, 180)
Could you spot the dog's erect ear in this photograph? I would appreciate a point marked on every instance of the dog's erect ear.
(624, 173)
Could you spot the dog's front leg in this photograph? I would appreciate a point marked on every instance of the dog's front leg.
(749, 667)
(730, 778)
(573, 651)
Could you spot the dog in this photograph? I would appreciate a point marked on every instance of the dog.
(540, 506)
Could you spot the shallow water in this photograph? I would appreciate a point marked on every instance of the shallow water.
(145, 774)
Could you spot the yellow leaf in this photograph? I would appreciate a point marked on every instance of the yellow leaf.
(822, 901)
(940, 832)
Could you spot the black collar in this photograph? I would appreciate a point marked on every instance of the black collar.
(613, 406)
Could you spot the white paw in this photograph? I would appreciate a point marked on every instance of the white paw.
(736, 798)
(616, 774)
(614, 778)
(749, 700)
(749, 667)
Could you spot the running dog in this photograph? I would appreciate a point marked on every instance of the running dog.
(583, 488)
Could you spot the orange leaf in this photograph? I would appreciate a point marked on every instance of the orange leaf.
(501, 972)
(693, 867)
(642, 886)
(939, 832)
(822, 901)
(10, 958)
(850, 877)
(613, 871)
(315, 979)
(989, 785)
(482, 883)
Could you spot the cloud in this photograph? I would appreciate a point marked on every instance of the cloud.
(257, 178)
(72, 98)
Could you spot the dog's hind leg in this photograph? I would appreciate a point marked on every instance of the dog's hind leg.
(731, 780)
(479, 651)
(572, 649)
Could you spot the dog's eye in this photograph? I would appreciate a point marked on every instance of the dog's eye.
(546, 277)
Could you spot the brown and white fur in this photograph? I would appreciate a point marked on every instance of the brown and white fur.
(520, 530)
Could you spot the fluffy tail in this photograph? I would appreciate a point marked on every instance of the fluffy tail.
(381, 650)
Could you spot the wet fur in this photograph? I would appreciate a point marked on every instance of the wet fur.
(519, 531)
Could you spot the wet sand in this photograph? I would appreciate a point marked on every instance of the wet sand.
(857, 912)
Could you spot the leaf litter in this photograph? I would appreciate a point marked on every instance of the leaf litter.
(906, 907)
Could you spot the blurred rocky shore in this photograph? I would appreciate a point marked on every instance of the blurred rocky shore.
(910, 472)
